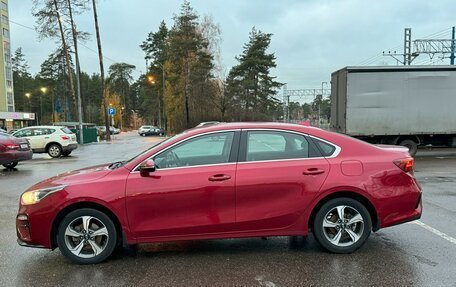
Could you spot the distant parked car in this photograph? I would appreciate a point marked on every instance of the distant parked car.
(113, 130)
(150, 130)
(55, 140)
(13, 150)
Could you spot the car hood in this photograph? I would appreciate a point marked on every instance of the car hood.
(76, 176)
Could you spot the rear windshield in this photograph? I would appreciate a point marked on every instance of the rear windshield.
(66, 130)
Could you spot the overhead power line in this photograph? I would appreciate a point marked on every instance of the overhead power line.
(377, 57)
(79, 42)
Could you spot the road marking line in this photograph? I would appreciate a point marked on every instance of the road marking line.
(435, 231)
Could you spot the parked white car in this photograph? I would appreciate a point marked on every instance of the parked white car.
(55, 140)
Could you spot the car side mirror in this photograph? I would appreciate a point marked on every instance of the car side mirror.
(146, 167)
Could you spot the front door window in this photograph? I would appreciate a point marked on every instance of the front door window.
(203, 150)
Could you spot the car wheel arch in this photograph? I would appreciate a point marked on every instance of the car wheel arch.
(84, 204)
(348, 194)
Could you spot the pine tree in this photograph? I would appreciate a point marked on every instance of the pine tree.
(188, 67)
(119, 80)
(21, 80)
(155, 49)
(250, 82)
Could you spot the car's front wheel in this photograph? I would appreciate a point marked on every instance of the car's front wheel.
(342, 225)
(87, 236)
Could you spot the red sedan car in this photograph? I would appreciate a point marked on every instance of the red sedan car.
(225, 181)
(13, 150)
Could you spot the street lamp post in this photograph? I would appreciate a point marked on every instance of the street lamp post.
(151, 81)
(121, 115)
(43, 92)
(28, 95)
(163, 94)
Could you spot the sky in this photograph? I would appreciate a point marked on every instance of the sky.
(311, 39)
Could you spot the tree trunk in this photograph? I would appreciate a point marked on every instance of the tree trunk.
(186, 94)
(78, 72)
(67, 54)
(100, 57)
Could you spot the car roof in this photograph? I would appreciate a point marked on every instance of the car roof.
(43, 127)
(253, 125)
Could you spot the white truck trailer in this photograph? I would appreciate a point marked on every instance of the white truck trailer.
(400, 105)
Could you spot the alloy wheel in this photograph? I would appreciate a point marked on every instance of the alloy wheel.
(86, 236)
(343, 225)
(54, 151)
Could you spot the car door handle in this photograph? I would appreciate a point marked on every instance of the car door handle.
(219, 177)
(313, 171)
(46, 137)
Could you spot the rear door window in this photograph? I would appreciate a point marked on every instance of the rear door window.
(275, 145)
(42, 132)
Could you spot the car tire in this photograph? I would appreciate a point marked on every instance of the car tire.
(339, 235)
(10, 165)
(411, 145)
(76, 242)
(66, 153)
(54, 150)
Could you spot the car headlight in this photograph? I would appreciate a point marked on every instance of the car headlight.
(35, 196)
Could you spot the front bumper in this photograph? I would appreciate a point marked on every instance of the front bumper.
(25, 244)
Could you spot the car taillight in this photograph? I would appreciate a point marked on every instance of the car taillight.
(65, 138)
(11, 146)
(406, 164)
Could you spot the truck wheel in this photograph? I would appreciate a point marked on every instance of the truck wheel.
(411, 145)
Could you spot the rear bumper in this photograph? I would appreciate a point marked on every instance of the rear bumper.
(403, 217)
(15, 155)
(70, 147)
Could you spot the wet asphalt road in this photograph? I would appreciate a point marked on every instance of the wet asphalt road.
(421, 254)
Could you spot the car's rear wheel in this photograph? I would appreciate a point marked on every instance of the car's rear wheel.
(87, 236)
(11, 164)
(54, 150)
(342, 225)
